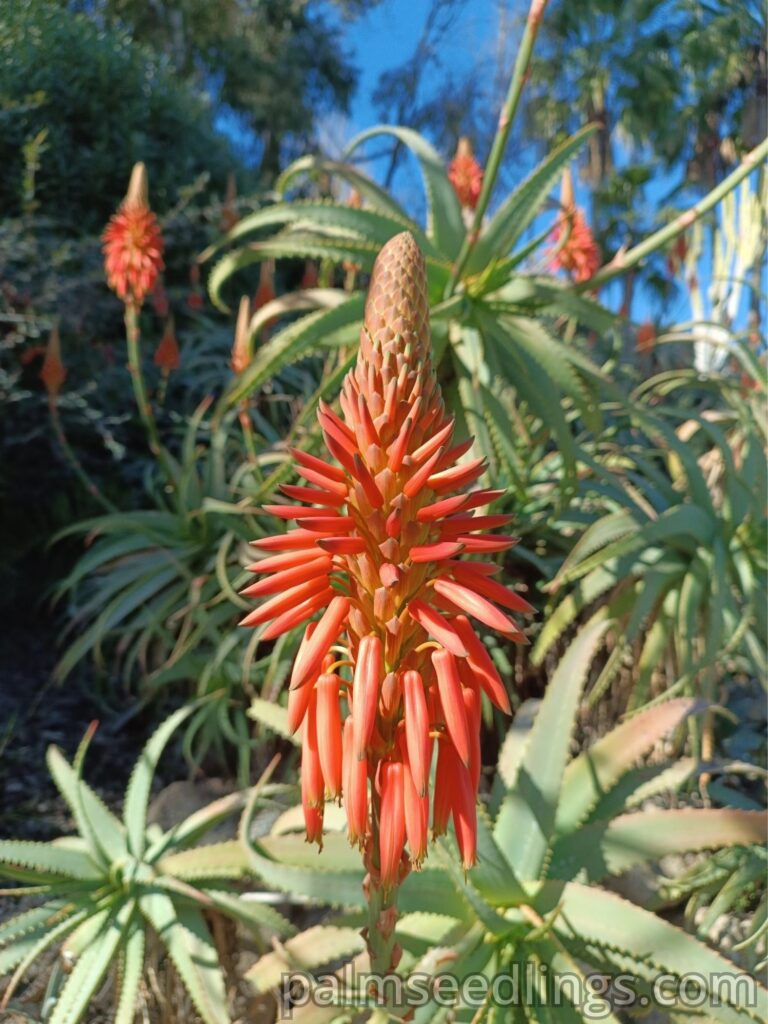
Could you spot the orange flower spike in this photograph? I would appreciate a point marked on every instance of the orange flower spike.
(329, 729)
(241, 349)
(167, 354)
(133, 245)
(376, 553)
(312, 786)
(466, 174)
(392, 823)
(575, 249)
(53, 373)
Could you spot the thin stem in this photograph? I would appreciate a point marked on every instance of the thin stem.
(621, 264)
(246, 425)
(74, 463)
(140, 394)
(507, 116)
(382, 910)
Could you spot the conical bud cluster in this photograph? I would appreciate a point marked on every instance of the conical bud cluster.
(133, 245)
(393, 665)
(466, 175)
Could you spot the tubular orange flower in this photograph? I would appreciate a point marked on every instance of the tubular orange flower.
(133, 245)
(466, 174)
(377, 549)
(167, 354)
(53, 372)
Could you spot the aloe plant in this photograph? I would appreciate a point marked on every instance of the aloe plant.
(102, 890)
(554, 832)
(677, 560)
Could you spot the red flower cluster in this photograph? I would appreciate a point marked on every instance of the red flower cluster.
(377, 552)
(133, 245)
(466, 174)
(575, 249)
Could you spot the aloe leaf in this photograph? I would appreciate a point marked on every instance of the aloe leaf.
(90, 967)
(371, 225)
(378, 197)
(251, 912)
(643, 783)
(47, 859)
(514, 215)
(273, 716)
(25, 950)
(653, 947)
(140, 782)
(184, 933)
(608, 848)
(198, 824)
(683, 527)
(95, 822)
(227, 859)
(132, 968)
(595, 771)
(527, 816)
(444, 221)
(289, 245)
(310, 949)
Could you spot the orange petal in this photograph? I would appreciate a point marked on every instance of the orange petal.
(391, 823)
(416, 813)
(476, 605)
(319, 465)
(328, 628)
(355, 788)
(417, 736)
(420, 477)
(435, 552)
(437, 626)
(316, 497)
(365, 693)
(295, 616)
(342, 545)
(482, 667)
(429, 513)
(329, 728)
(452, 701)
(467, 575)
(296, 540)
(279, 582)
(289, 599)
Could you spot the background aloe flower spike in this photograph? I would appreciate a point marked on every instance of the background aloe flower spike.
(377, 552)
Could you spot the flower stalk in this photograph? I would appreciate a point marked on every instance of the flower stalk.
(143, 404)
(499, 145)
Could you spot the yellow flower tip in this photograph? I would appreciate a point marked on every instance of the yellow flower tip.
(138, 187)
(567, 198)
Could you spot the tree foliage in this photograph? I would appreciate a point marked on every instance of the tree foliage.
(79, 105)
